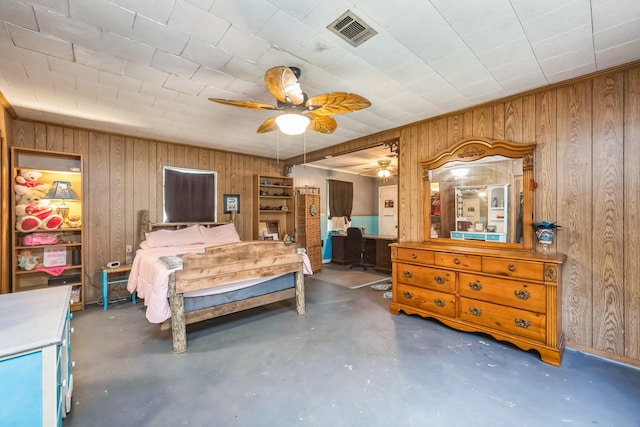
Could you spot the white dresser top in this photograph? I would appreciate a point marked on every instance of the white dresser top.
(33, 319)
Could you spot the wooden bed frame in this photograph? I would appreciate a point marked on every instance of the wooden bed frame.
(224, 264)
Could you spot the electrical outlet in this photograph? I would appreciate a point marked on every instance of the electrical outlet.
(129, 248)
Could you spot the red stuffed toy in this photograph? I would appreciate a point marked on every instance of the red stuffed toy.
(32, 216)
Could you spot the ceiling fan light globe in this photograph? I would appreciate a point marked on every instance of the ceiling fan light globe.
(292, 124)
(384, 173)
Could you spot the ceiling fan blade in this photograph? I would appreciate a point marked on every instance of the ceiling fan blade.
(328, 104)
(268, 125)
(283, 85)
(245, 104)
(322, 124)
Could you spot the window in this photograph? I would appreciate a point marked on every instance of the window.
(189, 195)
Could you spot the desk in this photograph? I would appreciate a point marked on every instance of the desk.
(121, 277)
(377, 251)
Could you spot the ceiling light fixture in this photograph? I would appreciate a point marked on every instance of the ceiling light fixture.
(460, 172)
(383, 170)
(292, 124)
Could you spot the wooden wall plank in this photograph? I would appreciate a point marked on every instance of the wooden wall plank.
(499, 120)
(513, 120)
(117, 197)
(575, 196)
(631, 236)
(483, 122)
(96, 209)
(546, 162)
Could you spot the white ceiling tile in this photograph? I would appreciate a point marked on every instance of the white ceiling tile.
(38, 42)
(243, 44)
(19, 13)
(207, 55)
(296, 8)
(145, 73)
(158, 10)
(99, 60)
(103, 14)
(612, 13)
(63, 27)
(559, 44)
(23, 56)
(610, 57)
(173, 64)
(126, 48)
(213, 77)
(121, 82)
(577, 70)
(250, 15)
(568, 61)
(183, 85)
(131, 98)
(98, 89)
(286, 32)
(558, 21)
(158, 35)
(194, 22)
(61, 6)
(159, 92)
(320, 51)
(617, 35)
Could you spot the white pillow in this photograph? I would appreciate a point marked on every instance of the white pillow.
(182, 237)
(219, 235)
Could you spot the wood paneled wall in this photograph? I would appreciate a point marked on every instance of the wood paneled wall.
(586, 167)
(123, 175)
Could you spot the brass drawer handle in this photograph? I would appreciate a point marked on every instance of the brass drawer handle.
(475, 311)
(512, 268)
(408, 295)
(408, 274)
(440, 280)
(475, 286)
(439, 302)
(414, 255)
(456, 261)
(522, 323)
(522, 294)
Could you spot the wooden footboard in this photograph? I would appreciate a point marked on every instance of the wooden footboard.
(229, 263)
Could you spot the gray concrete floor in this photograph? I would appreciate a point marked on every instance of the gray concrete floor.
(346, 362)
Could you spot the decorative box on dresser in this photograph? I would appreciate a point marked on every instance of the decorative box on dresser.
(35, 366)
(512, 295)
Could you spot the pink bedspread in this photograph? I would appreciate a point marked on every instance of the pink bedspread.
(150, 279)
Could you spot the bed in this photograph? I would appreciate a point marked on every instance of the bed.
(202, 271)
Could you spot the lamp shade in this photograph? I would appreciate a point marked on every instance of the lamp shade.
(292, 124)
(61, 190)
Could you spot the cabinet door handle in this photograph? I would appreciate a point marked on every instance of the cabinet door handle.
(475, 286)
(408, 295)
(475, 311)
(408, 274)
(512, 268)
(522, 294)
(439, 302)
(414, 255)
(522, 323)
(440, 280)
(456, 261)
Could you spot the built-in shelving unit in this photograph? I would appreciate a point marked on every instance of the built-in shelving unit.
(275, 208)
(48, 247)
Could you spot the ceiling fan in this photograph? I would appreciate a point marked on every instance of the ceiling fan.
(313, 113)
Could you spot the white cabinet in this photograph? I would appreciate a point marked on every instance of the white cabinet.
(35, 367)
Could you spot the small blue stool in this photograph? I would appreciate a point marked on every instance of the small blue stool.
(123, 277)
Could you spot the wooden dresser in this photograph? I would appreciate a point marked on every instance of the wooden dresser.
(512, 295)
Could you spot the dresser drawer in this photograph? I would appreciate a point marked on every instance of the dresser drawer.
(504, 319)
(465, 262)
(425, 299)
(513, 268)
(426, 277)
(526, 296)
(415, 255)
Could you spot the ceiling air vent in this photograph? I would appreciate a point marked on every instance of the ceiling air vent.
(352, 29)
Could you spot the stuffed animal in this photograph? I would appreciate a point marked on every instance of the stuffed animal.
(26, 260)
(31, 215)
(29, 179)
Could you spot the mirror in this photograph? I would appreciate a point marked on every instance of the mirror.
(478, 193)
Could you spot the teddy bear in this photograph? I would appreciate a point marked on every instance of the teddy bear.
(31, 215)
(26, 260)
(29, 179)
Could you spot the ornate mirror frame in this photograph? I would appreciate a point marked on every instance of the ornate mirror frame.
(473, 149)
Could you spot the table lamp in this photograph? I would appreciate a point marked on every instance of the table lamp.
(61, 190)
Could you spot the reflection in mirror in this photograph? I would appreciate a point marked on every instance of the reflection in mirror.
(478, 192)
(478, 201)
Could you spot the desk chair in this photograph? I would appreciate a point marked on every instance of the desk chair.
(356, 246)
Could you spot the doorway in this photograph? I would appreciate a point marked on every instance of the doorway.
(388, 210)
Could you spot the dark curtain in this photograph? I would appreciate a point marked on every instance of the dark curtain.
(189, 196)
(340, 198)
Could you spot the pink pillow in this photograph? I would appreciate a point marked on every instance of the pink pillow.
(221, 234)
(182, 237)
